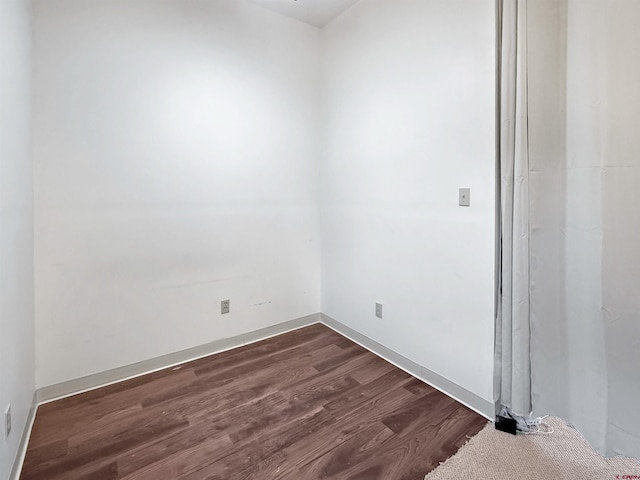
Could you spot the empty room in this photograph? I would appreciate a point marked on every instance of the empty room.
(319, 239)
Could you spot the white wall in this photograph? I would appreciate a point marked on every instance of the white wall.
(408, 98)
(175, 153)
(16, 227)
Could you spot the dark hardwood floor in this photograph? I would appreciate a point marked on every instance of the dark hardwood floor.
(309, 404)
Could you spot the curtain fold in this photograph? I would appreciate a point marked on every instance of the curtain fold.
(512, 342)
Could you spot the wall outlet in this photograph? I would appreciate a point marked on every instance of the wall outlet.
(225, 306)
(378, 310)
(7, 422)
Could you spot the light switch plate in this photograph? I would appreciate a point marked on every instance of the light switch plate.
(464, 197)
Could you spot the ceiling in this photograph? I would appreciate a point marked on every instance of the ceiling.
(314, 12)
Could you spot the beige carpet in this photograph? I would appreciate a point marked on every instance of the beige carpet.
(565, 454)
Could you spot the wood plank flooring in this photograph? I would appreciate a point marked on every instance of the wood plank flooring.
(309, 404)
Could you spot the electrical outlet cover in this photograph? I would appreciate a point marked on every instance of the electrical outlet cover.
(378, 310)
(225, 307)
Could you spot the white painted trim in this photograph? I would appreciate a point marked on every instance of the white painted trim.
(24, 441)
(465, 397)
(103, 379)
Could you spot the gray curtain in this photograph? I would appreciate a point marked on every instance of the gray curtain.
(513, 377)
(572, 131)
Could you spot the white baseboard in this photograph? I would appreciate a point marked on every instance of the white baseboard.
(24, 441)
(98, 380)
(102, 379)
(469, 399)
